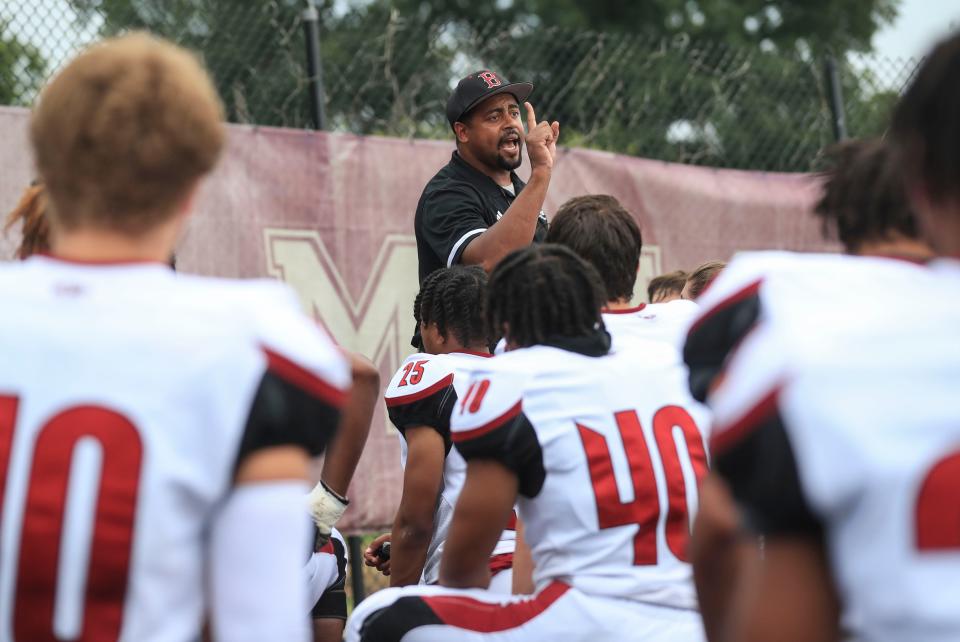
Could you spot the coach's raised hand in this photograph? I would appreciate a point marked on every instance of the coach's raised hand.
(541, 140)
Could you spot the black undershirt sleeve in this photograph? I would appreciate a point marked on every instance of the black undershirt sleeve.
(284, 414)
(760, 468)
(515, 445)
(433, 411)
(714, 336)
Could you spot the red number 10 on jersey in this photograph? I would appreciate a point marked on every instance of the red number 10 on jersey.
(644, 510)
(43, 518)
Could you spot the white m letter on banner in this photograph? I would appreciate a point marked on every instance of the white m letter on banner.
(379, 323)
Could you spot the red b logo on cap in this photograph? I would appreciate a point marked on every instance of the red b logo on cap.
(490, 78)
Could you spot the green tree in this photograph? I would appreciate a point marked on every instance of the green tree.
(21, 68)
(734, 83)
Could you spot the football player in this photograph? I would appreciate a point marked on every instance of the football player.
(155, 429)
(326, 574)
(420, 400)
(599, 458)
(836, 428)
(326, 565)
(602, 232)
(666, 287)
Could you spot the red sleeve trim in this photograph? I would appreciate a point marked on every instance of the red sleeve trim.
(490, 617)
(490, 426)
(624, 310)
(725, 437)
(744, 293)
(327, 548)
(422, 394)
(304, 379)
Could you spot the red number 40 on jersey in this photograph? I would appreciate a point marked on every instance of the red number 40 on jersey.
(645, 508)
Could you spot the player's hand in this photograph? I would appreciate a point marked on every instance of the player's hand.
(370, 557)
(541, 140)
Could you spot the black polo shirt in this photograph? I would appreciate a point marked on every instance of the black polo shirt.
(457, 205)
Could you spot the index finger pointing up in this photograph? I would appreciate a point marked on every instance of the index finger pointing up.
(531, 117)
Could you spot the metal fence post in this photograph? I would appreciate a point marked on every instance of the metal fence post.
(835, 94)
(311, 32)
(355, 542)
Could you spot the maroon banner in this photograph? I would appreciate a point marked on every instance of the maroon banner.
(332, 215)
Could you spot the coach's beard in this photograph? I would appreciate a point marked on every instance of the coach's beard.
(512, 161)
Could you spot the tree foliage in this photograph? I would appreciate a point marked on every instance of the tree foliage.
(733, 83)
(21, 68)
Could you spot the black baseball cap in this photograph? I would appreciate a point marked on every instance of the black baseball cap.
(477, 87)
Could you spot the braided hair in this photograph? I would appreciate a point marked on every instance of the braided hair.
(544, 292)
(454, 299)
(30, 212)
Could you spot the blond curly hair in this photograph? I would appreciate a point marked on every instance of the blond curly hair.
(124, 132)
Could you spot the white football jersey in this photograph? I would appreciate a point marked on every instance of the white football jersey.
(651, 322)
(608, 455)
(648, 322)
(423, 392)
(128, 396)
(847, 374)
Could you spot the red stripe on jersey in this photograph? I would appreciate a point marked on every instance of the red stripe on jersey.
(500, 563)
(423, 394)
(304, 379)
(625, 310)
(485, 617)
(744, 293)
(725, 437)
(490, 426)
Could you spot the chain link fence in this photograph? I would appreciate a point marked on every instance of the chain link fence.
(676, 99)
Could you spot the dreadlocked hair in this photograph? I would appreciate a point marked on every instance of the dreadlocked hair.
(30, 212)
(864, 198)
(544, 292)
(454, 298)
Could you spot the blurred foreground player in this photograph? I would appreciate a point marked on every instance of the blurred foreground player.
(564, 429)
(155, 429)
(837, 424)
(420, 400)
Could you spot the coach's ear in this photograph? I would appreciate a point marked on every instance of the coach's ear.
(462, 132)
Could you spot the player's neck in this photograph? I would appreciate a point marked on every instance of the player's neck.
(619, 304)
(900, 248)
(90, 245)
(456, 346)
(499, 175)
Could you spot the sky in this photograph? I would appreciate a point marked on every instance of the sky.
(920, 24)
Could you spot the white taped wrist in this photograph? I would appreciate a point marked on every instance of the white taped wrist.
(326, 507)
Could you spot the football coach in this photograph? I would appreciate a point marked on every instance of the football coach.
(476, 210)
